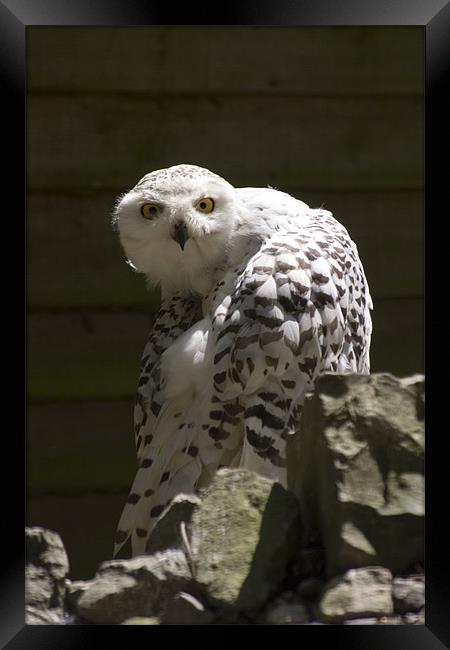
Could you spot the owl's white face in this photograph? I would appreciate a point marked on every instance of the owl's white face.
(175, 226)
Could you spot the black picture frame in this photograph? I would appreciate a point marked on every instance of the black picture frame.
(15, 17)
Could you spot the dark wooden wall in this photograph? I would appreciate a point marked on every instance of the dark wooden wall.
(331, 115)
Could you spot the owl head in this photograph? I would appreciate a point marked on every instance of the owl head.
(175, 226)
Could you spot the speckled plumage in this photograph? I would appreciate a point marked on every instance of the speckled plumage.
(267, 294)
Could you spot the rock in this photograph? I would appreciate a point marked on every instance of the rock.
(310, 588)
(45, 576)
(74, 589)
(243, 534)
(140, 587)
(41, 616)
(359, 593)
(141, 620)
(185, 609)
(357, 467)
(408, 594)
(285, 613)
(413, 618)
(166, 533)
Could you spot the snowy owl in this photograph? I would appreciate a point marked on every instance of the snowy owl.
(260, 294)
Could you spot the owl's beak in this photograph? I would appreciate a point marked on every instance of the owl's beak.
(180, 234)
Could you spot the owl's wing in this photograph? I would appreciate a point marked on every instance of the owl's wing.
(175, 316)
(300, 307)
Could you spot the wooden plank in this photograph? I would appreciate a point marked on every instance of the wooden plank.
(296, 60)
(96, 355)
(75, 259)
(110, 141)
(86, 523)
(388, 229)
(79, 447)
(398, 337)
(84, 355)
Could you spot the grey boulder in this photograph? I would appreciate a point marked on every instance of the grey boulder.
(357, 467)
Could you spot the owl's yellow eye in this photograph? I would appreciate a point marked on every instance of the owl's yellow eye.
(205, 205)
(150, 210)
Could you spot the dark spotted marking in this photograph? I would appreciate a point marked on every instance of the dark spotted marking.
(271, 337)
(233, 409)
(155, 408)
(271, 362)
(147, 462)
(192, 451)
(220, 355)
(165, 477)
(293, 346)
(121, 536)
(318, 278)
(262, 269)
(218, 434)
(301, 288)
(322, 299)
(148, 439)
(290, 249)
(220, 377)
(141, 532)
(268, 397)
(284, 267)
(287, 304)
(262, 301)
(311, 254)
(230, 329)
(333, 325)
(302, 263)
(149, 492)
(263, 446)
(268, 420)
(156, 511)
(133, 498)
(235, 376)
(287, 383)
(309, 364)
(253, 285)
(270, 321)
(244, 341)
(229, 419)
(305, 336)
(260, 443)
